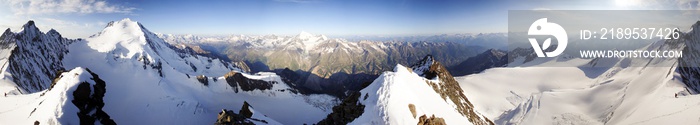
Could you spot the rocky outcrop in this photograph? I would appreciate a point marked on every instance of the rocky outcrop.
(203, 79)
(245, 110)
(244, 117)
(236, 80)
(346, 112)
(448, 88)
(228, 117)
(432, 120)
(242, 65)
(412, 108)
(90, 102)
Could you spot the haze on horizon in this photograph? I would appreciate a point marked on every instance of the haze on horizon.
(82, 18)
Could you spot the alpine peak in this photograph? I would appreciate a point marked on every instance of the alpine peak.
(304, 35)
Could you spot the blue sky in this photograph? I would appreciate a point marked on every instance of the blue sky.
(82, 18)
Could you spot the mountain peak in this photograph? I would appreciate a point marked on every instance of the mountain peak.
(29, 23)
(7, 31)
(423, 66)
(124, 22)
(30, 27)
(127, 19)
(118, 33)
(304, 35)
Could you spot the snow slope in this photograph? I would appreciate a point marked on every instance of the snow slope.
(388, 98)
(598, 91)
(52, 106)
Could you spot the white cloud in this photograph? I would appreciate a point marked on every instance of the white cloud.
(541, 8)
(22, 7)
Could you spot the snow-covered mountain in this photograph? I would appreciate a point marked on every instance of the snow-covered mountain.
(128, 75)
(32, 58)
(424, 93)
(689, 64)
(597, 91)
(308, 52)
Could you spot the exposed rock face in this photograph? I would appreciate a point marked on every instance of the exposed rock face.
(245, 110)
(35, 56)
(412, 108)
(203, 79)
(424, 120)
(242, 66)
(689, 64)
(236, 80)
(346, 112)
(448, 87)
(228, 117)
(90, 102)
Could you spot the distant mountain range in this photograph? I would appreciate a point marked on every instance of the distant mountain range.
(328, 65)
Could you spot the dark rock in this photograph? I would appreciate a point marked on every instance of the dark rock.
(203, 79)
(245, 110)
(235, 80)
(346, 112)
(228, 117)
(90, 105)
(424, 120)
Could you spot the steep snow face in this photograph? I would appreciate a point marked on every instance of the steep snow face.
(31, 58)
(388, 98)
(598, 91)
(50, 106)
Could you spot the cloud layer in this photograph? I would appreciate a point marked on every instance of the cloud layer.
(22, 7)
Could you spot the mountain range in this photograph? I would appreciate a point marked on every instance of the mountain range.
(126, 74)
(327, 65)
